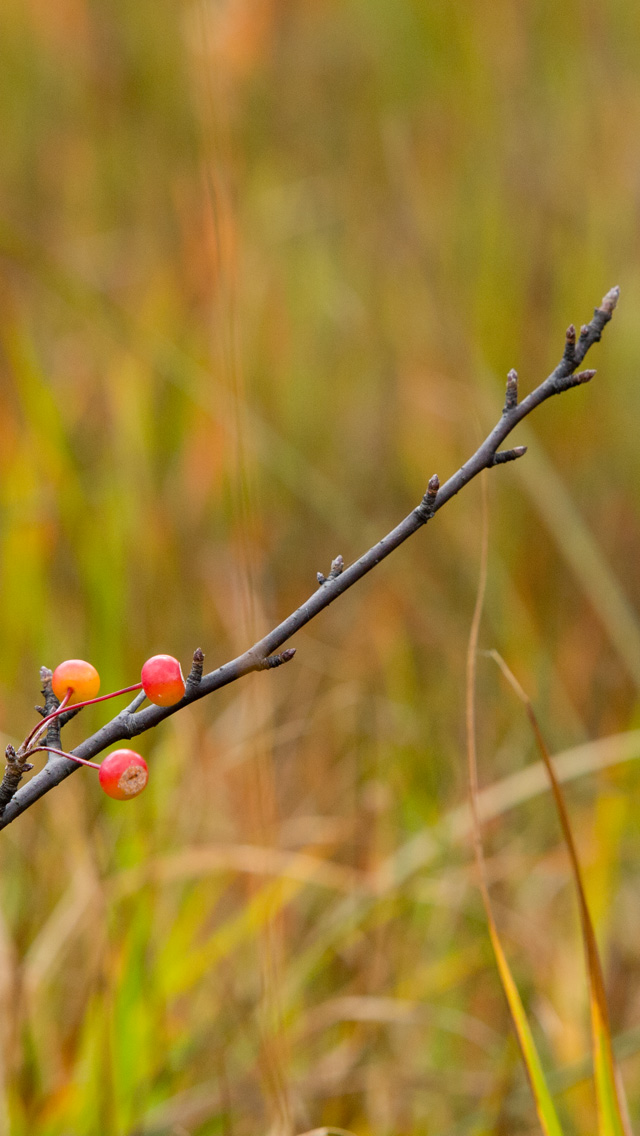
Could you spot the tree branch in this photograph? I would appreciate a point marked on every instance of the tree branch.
(133, 721)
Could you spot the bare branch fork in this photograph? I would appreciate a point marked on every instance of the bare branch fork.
(133, 721)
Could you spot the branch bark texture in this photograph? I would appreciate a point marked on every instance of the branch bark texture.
(262, 655)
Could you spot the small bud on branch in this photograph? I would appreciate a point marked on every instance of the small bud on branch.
(578, 379)
(569, 356)
(194, 677)
(426, 508)
(511, 400)
(502, 456)
(277, 660)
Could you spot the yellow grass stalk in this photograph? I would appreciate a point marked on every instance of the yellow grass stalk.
(613, 1119)
(545, 1107)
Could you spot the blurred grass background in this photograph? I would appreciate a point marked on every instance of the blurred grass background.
(264, 266)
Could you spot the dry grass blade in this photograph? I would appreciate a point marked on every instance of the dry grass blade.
(544, 1104)
(329, 1132)
(613, 1119)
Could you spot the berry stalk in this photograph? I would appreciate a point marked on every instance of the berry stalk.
(61, 753)
(42, 725)
(77, 706)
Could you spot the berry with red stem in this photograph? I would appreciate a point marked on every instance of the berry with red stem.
(123, 774)
(77, 676)
(162, 680)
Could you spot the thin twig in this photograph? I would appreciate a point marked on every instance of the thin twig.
(129, 723)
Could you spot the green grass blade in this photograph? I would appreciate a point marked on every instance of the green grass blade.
(612, 1112)
(545, 1107)
(544, 1104)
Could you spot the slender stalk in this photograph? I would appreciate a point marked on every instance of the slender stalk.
(42, 725)
(37, 730)
(62, 753)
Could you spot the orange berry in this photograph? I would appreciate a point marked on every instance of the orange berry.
(162, 680)
(123, 774)
(81, 677)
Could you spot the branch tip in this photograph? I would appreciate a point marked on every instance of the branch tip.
(610, 301)
(571, 334)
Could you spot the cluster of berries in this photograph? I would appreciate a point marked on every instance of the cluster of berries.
(123, 774)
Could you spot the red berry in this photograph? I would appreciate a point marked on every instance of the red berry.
(162, 680)
(83, 679)
(123, 774)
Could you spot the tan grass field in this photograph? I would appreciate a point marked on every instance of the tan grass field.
(264, 266)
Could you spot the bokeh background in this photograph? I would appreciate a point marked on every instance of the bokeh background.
(264, 265)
